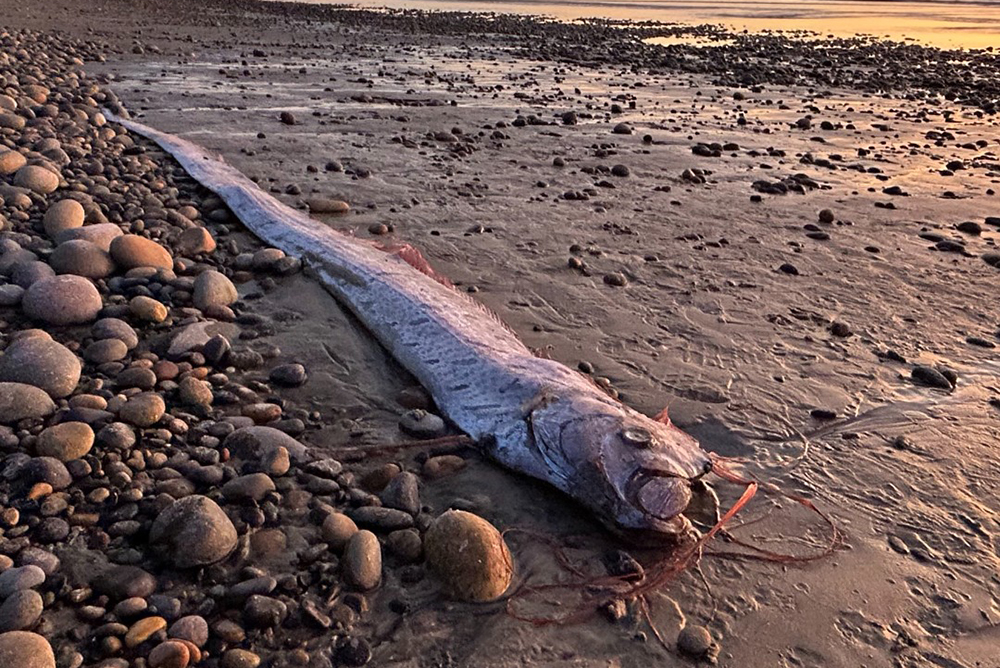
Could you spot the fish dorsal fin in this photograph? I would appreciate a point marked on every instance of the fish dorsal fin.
(663, 417)
(411, 256)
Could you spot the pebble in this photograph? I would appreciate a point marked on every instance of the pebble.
(264, 611)
(143, 410)
(195, 241)
(386, 519)
(442, 466)
(37, 179)
(43, 363)
(362, 562)
(105, 350)
(469, 556)
(66, 441)
(337, 530)
(402, 493)
(20, 578)
(19, 401)
(327, 205)
(131, 250)
(195, 392)
(246, 488)
(695, 641)
(240, 658)
(147, 309)
(21, 611)
(421, 424)
(192, 628)
(124, 582)
(82, 258)
(11, 161)
(212, 288)
(926, 375)
(26, 274)
(143, 630)
(22, 649)
(194, 531)
(62, 300)
(170, 654)
(289, 375)
(101, 235)
(65, 214)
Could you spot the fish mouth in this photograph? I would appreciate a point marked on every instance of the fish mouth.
(659, 494)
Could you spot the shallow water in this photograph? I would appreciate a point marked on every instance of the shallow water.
(971, 25)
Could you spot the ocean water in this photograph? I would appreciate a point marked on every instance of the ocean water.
(972, 25)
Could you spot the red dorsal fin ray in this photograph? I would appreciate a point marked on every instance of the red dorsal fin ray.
(411, 256)
(663, 417)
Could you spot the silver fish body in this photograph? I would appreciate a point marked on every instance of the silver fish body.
(532, 415)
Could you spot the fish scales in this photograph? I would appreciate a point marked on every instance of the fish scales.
(533, 415)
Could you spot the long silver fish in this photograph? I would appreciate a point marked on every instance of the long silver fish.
(532, 415)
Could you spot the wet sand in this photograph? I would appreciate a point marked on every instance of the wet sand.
(775, 335)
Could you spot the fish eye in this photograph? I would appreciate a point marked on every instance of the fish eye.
(637, 437)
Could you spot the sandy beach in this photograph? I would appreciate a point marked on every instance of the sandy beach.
(790, 243)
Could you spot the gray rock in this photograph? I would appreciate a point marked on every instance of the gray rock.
(26, 274)
(402, 493)
(247, 488)
(264, 611)
(124, 582)
(212, 288)
(42, 363)
(289, 375)
(386, 519)
(20, 578)
(21, 611)
(10, 294)
(44, 469)
(82, 258)
(62, 300)
(21, 649)
(192, 628)
(101, 235)
(19, 401)
(193, 531)
(421, 424)
(113, 328)
(252, 443)
(362, 561)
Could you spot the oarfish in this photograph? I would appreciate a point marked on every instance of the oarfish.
(533, 415)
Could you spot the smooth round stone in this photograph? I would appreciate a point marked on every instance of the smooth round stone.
(362, 562)
(47, 470)
(337, 530)
(21, 649)
(143, 630)
(66, 441)
(82, 258)
(170, 654)
(124, 582)
(143, 410)
(130, 251)
(193, 531)
(11, 161)
(43, 363)
(251, 487)
(139, 377)
(21, 611)
(264, 611)
(254, 442)
(192, 628)
(195, 241)
(18, 579)
(469, 556)
(19, 401)
(147, 309)
(327, 205)
(10, 294)
(194, 392)
(105, 350)
(26, 274)
(101, 235)
(113, 328)
(63, 215)
(289, 375)
(62, 300)
(695, 641)
(212, 288)
(116, 436)
(12, 256)
(12, 121)
(240, 658)
(421, 424)
(405, 544)
(37, 179)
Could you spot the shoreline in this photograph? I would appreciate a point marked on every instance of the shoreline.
(783, 265)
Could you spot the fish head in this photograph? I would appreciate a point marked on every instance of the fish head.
(634, 472)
